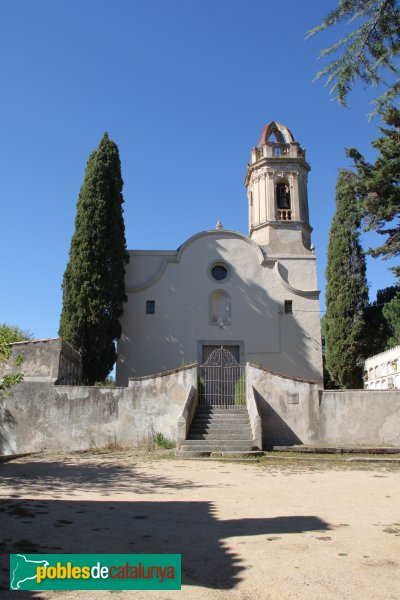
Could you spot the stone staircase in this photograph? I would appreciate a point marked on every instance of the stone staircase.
(218, 431)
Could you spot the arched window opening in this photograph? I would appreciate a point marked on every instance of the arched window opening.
(276, 137)
(220, 308)
(283, 201)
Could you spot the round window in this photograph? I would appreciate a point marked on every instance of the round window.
(219, 272)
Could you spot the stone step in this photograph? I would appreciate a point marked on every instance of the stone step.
(220, 415)
(217, 448)
(221, 419)
(232, 427)
(239, 455)
(222, 422)
(221, 411)
(220, 425)
(220, 428)
(221, 435)
(220, 444)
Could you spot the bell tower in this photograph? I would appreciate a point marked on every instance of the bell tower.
(276, 183)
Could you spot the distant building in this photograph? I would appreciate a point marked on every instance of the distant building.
(255, 295)
(382, 371)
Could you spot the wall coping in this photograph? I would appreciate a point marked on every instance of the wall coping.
(37, 341)
(90, 387)
(364, 390)
(163, 373)
(57, 339)
(282, 375)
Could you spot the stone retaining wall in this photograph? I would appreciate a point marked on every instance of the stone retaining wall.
(289, 408)
(46, 417)
(294, 411)
(42, 416)
(360, 417)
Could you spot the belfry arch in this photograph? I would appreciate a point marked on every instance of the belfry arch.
(277, 191)
(282, 134)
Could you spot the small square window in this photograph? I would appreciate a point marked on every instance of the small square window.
(288, 307)
(150, 307)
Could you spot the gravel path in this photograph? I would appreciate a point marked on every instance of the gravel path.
(278, 531)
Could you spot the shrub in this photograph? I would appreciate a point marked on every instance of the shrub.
(162, 441)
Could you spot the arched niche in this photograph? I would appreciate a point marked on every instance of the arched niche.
(283, 200)
(220, 308)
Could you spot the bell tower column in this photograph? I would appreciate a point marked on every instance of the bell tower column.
(270, 196)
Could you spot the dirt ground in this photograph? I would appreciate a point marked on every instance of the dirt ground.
(278, 530)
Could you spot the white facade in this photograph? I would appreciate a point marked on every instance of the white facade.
(382, 371)
(256, 295)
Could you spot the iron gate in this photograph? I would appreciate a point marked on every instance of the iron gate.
(222, 381)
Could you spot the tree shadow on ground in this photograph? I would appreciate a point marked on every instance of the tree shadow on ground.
(188, 528)
(76, 476)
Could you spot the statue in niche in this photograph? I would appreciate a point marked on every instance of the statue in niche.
(283, 196)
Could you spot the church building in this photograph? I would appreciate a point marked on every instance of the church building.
(254, 295)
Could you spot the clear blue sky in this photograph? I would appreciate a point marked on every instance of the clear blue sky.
(184, 87)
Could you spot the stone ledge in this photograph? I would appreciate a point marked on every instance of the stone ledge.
(284, 376)
(338, 449)
(39, 340)
(163, 373)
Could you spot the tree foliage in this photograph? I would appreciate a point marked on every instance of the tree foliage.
(329, 384)
(346, 290)
(391, 312)
(10, 334)
(380, 326)
(379, 187)
(93, 284)
(368, 52)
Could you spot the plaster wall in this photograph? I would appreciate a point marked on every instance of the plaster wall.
(298, 412)
(360, 417)
(44, 417)
(181, 287)
(289, 408)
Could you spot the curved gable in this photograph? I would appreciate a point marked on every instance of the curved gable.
(166, 258)
(221, 233)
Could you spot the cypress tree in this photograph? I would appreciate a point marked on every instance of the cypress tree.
(346, 290)
(93, 284)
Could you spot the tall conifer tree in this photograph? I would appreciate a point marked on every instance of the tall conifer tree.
(93, 284)
(346, 289)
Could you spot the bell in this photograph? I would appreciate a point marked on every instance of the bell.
(283, 197)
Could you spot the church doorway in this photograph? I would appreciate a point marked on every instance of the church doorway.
(222, 380)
